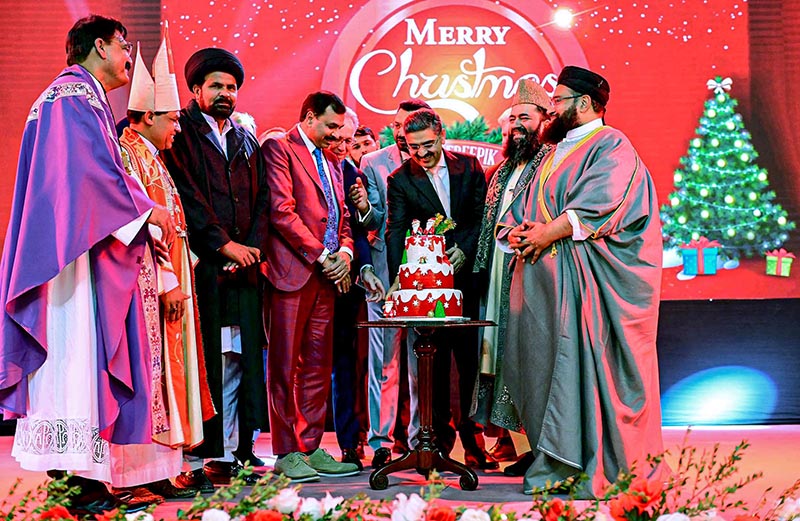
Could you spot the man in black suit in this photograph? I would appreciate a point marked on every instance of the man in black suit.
(440, 182)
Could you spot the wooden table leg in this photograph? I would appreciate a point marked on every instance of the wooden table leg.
(425, 456)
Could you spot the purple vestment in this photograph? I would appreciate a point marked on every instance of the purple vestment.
(71, 194)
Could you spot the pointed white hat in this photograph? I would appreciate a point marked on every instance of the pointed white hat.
(167, 99)
(160, 95)
(142, 96)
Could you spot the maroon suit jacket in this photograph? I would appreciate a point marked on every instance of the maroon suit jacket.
(299, 212)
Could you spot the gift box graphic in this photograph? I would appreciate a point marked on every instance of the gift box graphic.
(779, 262)
(700, 257)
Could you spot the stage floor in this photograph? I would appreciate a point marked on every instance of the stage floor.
(775, 450)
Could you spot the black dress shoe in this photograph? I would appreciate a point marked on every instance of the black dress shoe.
(94, 497)
(248, 457)
(381, 458)
(167, 490)
(519, 467)
(221, 473)
(351, 456)
(503, 450)
(480, 459)
(195, 479)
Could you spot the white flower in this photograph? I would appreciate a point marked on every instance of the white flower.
(673, 517)
(312, 507)
(139, 516)
(408, 508)
(214, 514)
(330, 503)
(790, 509)
(473, 514)
(285, 502)
(602, 516)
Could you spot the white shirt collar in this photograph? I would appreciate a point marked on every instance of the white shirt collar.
(309, 144)
(583, 130)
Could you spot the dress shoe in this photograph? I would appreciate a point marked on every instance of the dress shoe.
(503, 450)
(326, 466)
(480, 459)
(381, 457)
(519, 467)
(400, 447)
(351, 456)
(295, 467)
(221, 473)
(167, 490)
(195, 479)
(248, 457)
(137, 498)
(94, 497)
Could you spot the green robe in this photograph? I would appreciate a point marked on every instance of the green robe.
(580, 357)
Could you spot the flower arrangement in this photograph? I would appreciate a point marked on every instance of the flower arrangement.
(701, 487)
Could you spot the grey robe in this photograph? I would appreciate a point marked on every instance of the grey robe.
(580, 358)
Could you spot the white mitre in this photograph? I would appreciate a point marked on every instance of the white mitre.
(160, 95)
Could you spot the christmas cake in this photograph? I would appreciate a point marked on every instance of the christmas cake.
(426, 277)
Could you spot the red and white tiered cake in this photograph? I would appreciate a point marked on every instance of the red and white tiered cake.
(426, 282)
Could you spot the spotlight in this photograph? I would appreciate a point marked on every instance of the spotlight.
(562, 17)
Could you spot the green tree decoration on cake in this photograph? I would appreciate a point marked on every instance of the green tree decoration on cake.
(438, 311)
(720, 192)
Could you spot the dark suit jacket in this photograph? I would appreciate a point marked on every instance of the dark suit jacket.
(361, 250)
(411, 196)
(299, 212)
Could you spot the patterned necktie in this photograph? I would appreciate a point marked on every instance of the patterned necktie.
(331, 239)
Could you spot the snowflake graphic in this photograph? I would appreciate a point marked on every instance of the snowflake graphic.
(438, 282)
(446, 305)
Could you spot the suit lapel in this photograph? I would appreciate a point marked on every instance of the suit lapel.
(455, 171)
(299, 149)
(419, 179)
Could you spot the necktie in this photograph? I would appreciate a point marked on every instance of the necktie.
(331, 239)
(441, 191)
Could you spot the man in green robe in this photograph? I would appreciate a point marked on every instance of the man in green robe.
(580, 359)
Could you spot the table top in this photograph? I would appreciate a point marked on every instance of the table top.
(422, 322)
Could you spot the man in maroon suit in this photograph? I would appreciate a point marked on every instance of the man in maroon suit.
(308, 257)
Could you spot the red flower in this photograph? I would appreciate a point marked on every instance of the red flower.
(645, 493)
(440, 514)
(106, 516)
(264, 515)
(556, 509)
(620, 506)
(57, 512)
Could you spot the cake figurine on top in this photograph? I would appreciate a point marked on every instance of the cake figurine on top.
(426, 276)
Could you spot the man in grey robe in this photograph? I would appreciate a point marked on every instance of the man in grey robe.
(580, 359)
(523, 153)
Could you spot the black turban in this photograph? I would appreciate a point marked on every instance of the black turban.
(210, 60)
(584, 81)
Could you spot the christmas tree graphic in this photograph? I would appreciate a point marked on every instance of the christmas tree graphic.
(720, 192)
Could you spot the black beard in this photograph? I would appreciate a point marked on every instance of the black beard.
(220, 111)
(560, 125)
(521, 148)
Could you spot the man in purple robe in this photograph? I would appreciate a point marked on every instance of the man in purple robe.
(73, 344)
(580, 357)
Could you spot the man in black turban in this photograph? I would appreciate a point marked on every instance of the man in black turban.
(582, 87)
(210, 60)
(219, 172)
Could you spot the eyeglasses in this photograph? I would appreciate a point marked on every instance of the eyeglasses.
(126, 46)
(427, 145)
(559, 99)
